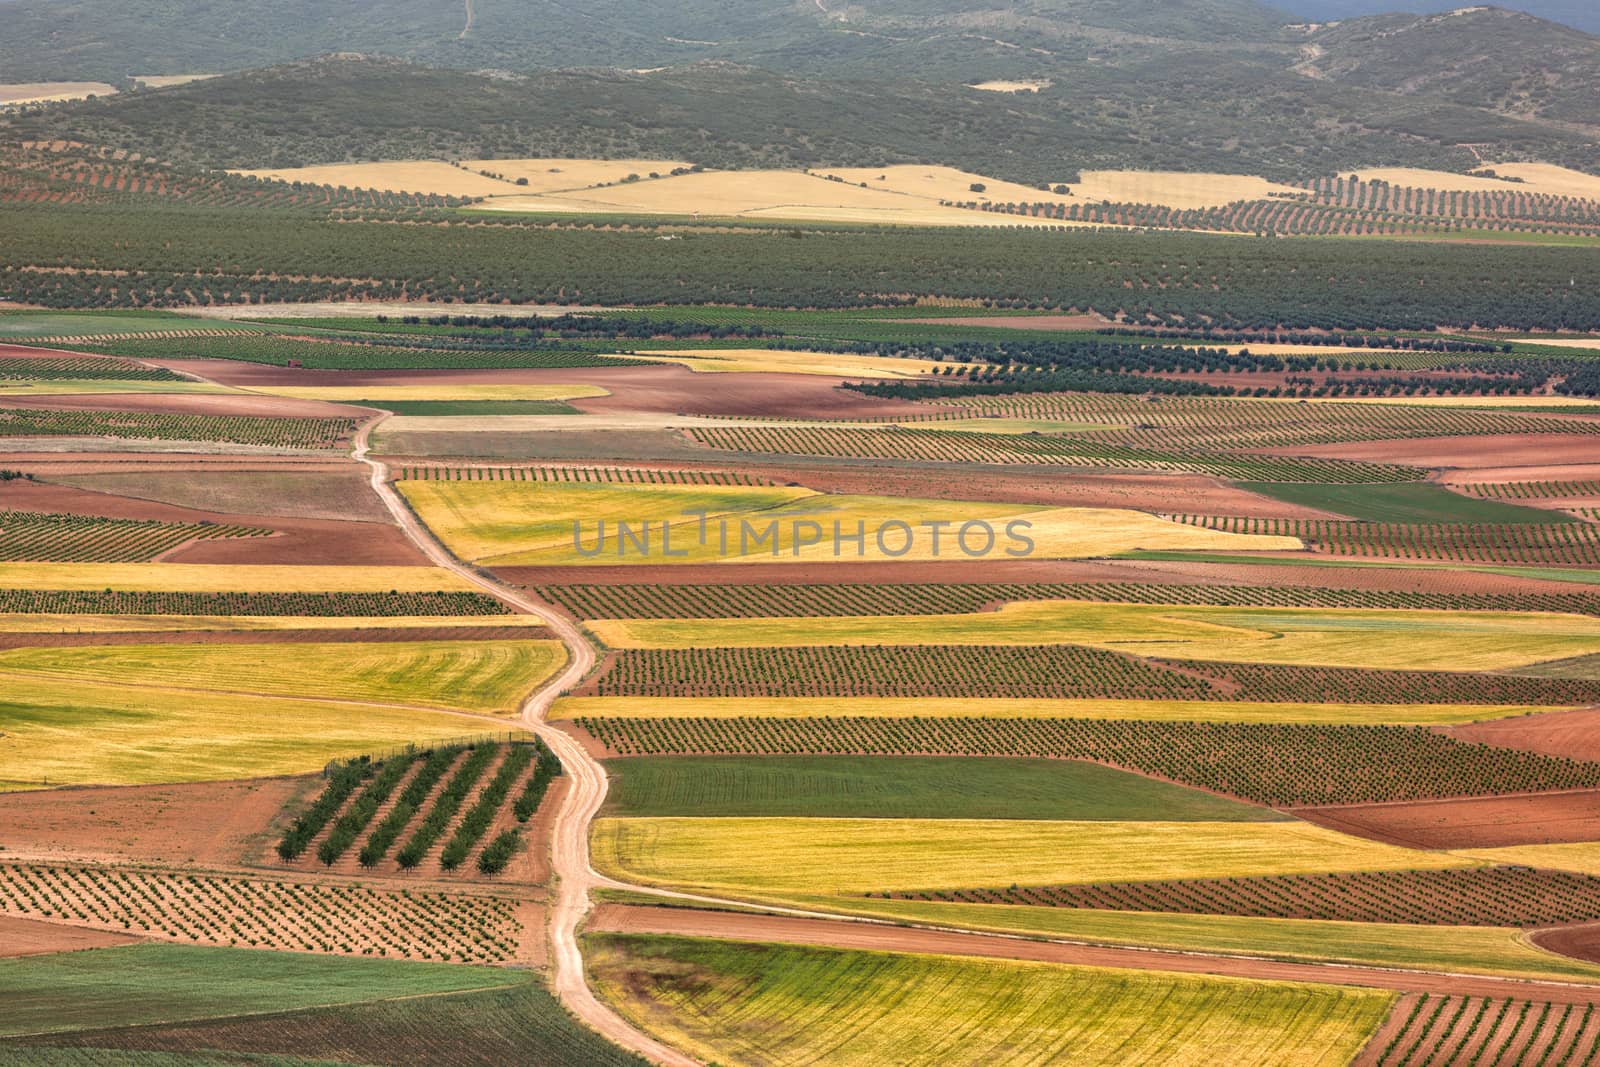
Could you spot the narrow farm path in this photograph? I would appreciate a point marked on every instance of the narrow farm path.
(569, 839)
(468, 27)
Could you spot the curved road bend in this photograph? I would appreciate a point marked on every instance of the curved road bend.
(569, 846)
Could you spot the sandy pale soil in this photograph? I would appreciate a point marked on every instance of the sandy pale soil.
(206, 823)
(1476, 822)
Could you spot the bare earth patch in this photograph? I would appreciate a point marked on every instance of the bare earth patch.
(1476, 822)
(28, 937)
(1557, 733)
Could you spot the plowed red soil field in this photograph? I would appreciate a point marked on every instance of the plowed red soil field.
(1478, 822)
(1556, 733)
(1490, 450)
(27, 937)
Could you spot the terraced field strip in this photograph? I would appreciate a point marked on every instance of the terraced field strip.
(591, 475)
(261, 580)
(1342, 637)
(81, 368)
(233, 429)
(1075, 450)
(1179, 422)
(791, 1004)
(662, 601)
(1427, 1029)
(1536, 544)
(202, 909)
(263, 605)
(58, 538)
(1476, 896)
(1279, 764)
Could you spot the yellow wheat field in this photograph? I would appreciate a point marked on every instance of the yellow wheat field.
(944, 183)
(1001, 86)
(166, 81)
(772, 856)
(1543, 178)
(551, 175)
(46, 92)
(783, 361)
(1174, 189)
(222, 578)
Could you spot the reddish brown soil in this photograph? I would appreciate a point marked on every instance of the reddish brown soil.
(189, 404)
(1414, 579)
(297, 541)
(207, 823)
(879, 937)
(1579, 942)
(1575, 734)
(1476, 822)
(28, 937)
(887, 573)
(654, 388)
(1497, 450)
(20, 352)
(275, 637)
(1571, 472)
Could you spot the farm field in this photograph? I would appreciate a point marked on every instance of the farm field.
(488, 522)
(843, 1007)
(1329, 637)
(245, 578)
(767, 857)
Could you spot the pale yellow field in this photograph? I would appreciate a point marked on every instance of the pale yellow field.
(769, 360)
(78, 386)
(998, 86)
(849, 857)
(1008, 426)
(777, 194)
(942, 708)
(1589, 343)
(551, 175)
(69, 624)
(203, 578)
(1582, 856)
(945, 183)
(82, 733)
(1455, 949)
(480, 676)
(441, 391)
(45, 92)
(1341, 637)
(398, 176)
(166, 81)
(1174, 189)
(1536, 178)
(525, 523)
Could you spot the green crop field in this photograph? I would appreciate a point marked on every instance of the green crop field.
(911, 787)
(141, 984)
(1419, 502)
(789, 1005)
(521, 1024)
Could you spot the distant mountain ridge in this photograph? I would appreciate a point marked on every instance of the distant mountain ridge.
(1580, 14)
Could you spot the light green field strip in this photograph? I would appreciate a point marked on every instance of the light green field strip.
(19, 325)
(71, 624)
(74, 386)
(485, 676)
(60, 732)
(440, 391)
(526, 523)
(957, 707)
(1347, 637)
(789, 1005)
(848, 857)
(224, 578)
(1465, 949)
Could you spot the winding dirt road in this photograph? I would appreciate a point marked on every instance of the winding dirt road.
(569, 846)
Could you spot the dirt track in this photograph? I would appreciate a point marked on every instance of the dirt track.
(881, 937)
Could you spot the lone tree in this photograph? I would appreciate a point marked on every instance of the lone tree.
(978, 187)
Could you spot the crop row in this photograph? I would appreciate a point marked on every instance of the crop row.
(236, 429)
(855, 599)
(1197, 422)
(1469, 1031)
(311, 605)
(1043, 671)
(421, 796)
(261, 913)
(1281, 764)
(1532, 490)
(57, 538)
(322, 353)
(49, 368)
(1052, 672)
(595, 475)
(1465, 896)
(1554, 543)
(1075, 450)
